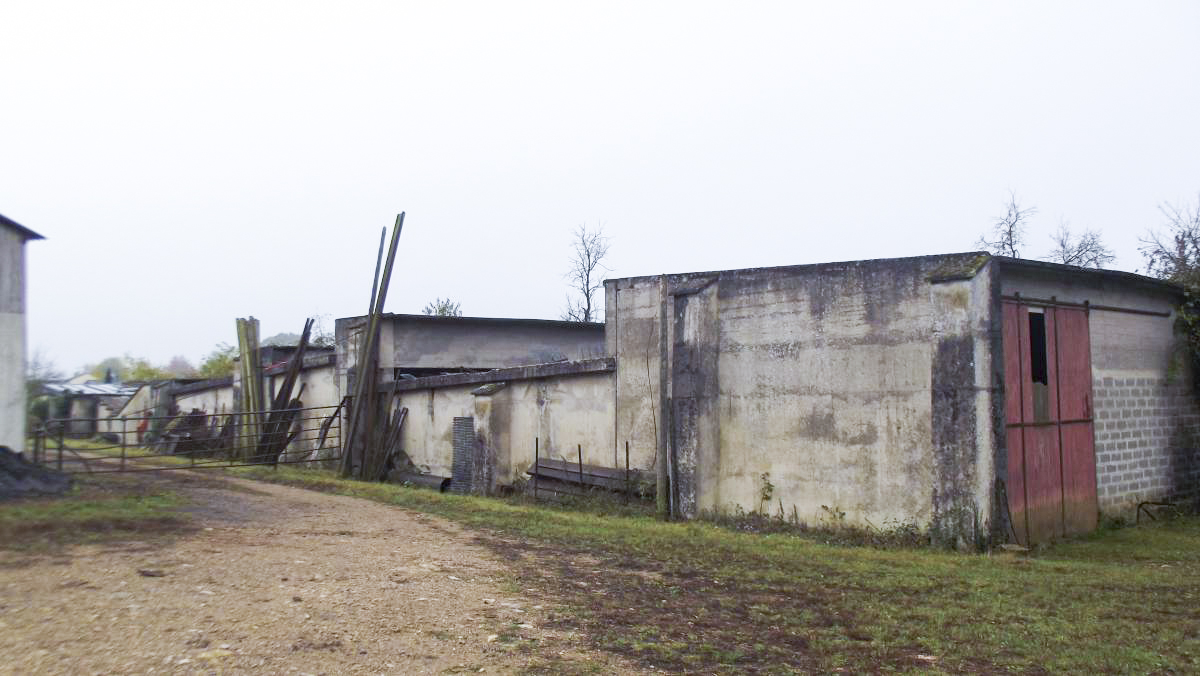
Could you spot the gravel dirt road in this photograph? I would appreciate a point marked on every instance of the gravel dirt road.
(277, 580)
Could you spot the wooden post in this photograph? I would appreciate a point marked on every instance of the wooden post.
(580, 447)
(61, 430)
(123, 428)
(536, 459)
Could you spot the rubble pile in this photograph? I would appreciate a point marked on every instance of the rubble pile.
(21, 478)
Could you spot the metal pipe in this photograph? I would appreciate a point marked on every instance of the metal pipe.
(1085, 305)
(537, 458)
(441, 483)
(123, 427)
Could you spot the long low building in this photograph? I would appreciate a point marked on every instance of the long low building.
(983, 399)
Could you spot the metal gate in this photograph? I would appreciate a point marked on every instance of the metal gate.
(1048, 416)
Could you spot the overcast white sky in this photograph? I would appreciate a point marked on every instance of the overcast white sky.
(193, 162)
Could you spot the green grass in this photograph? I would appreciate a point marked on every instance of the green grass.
(96, 508)
(695, 597)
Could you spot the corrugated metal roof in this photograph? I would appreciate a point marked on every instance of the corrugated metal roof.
(24, 231)
(97, 389)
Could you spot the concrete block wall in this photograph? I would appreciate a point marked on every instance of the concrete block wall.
(1146, 442)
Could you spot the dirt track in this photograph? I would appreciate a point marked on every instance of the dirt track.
(279, 580)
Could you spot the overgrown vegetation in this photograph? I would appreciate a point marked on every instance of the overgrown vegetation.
(701, 598)
(1173, 254)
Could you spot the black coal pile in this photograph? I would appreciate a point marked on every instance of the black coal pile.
(21, 478)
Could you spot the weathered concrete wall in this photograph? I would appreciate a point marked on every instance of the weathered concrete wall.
(633, 332)
(428, 434)
(12, 339)
(1147, 421)
(965, 426)
(821, 378)
(421, 342)
(562, 412)
(213, 400)
(320, 386)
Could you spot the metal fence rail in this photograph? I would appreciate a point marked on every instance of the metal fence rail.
(284, 437)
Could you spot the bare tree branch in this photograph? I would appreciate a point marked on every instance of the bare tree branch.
(1088, 251)
(589, 247)
(1008, 232)
(1175, 254)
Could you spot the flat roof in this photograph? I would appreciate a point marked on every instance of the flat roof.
(960, 265)
(1076, 271)
(495, 321)
(809, 267)
(21, 230)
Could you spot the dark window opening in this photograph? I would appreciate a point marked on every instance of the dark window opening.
(1038, 368)
(1037, 348)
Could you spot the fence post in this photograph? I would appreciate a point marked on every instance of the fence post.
(580, 447)
(626, 471)
(124, 427)
(61, 431)
(536, 459)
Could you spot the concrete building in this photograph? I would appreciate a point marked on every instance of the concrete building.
(515, 380)
(980, 398)
(13, 237)
(87, 404)
(985, 399)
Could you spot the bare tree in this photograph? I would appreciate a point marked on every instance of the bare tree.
(443, 308)
(1175, 254)
(39, 370)
(589, 249)
(1008, 232)
(1086, 251)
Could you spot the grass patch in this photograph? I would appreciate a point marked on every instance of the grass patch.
(98, 507)
(695, 597)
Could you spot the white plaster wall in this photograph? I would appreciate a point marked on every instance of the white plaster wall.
(564, 414)
(12, 379)
(213, 401)
(12, 339)
(428, 433)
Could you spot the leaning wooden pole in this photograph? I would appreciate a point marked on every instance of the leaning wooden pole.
(364, 396)
(352, 403)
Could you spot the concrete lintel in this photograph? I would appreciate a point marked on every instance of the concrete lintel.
(531, 372)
